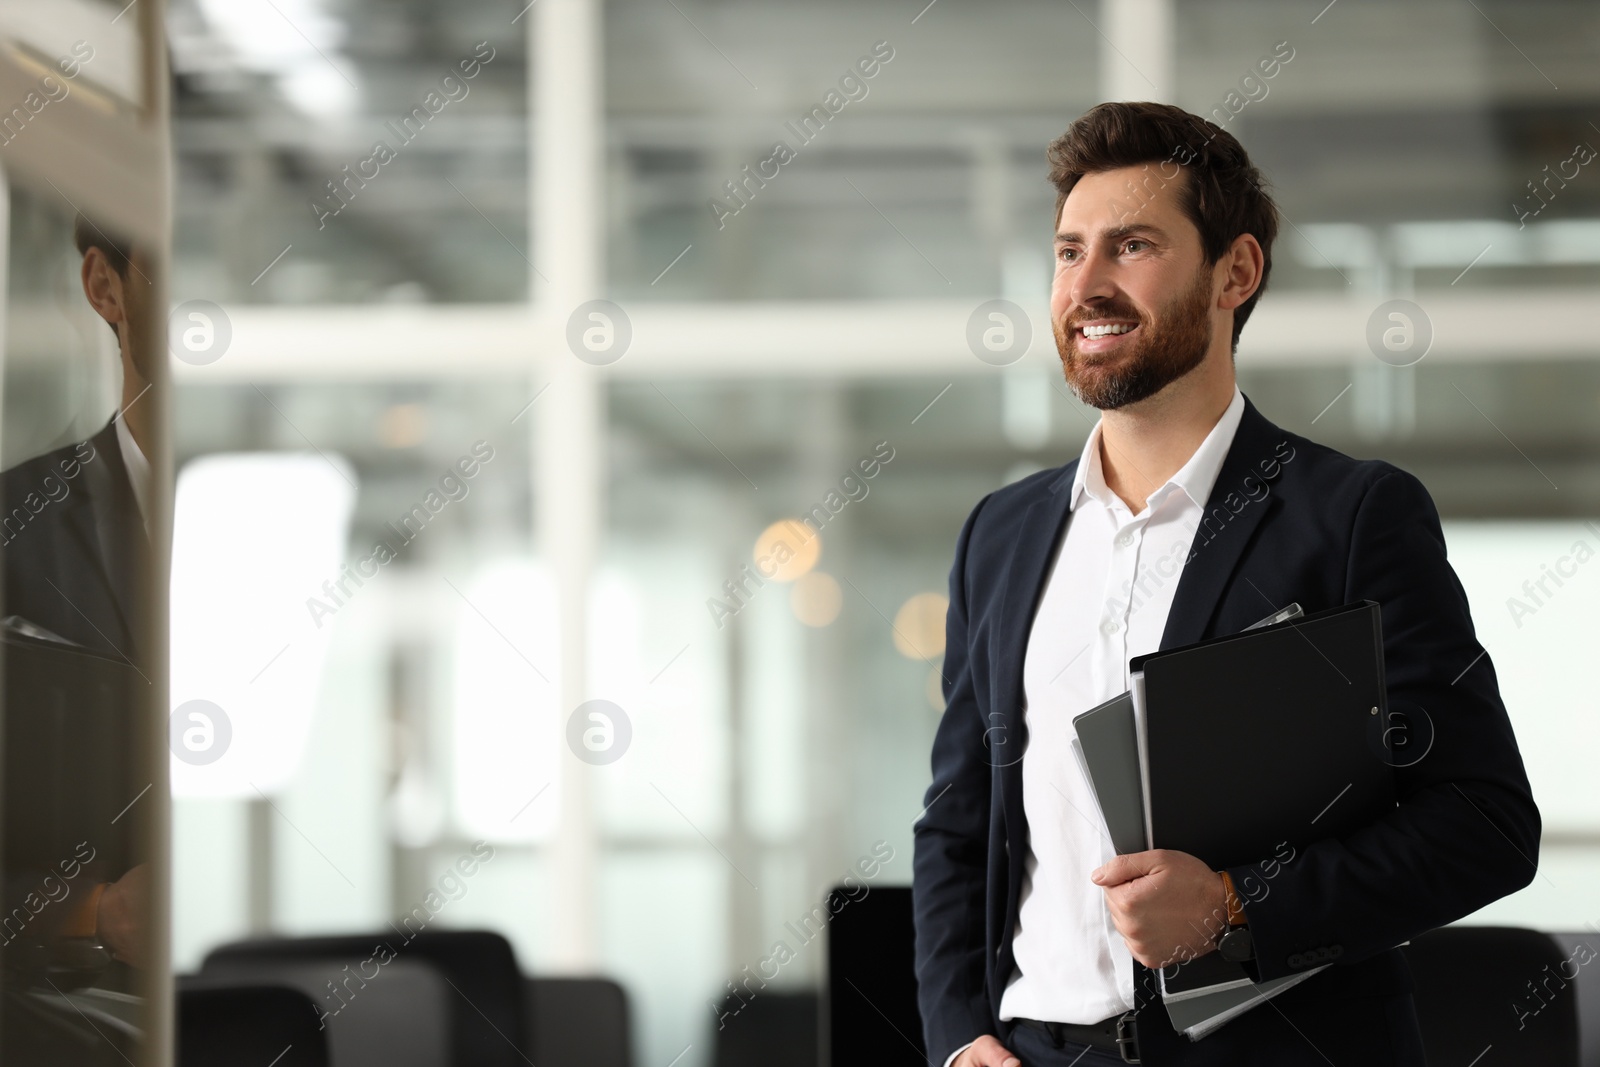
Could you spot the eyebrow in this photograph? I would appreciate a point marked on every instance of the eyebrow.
(1117, 233)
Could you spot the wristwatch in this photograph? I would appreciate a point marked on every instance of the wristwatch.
(1235, 945)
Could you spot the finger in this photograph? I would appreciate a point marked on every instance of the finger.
(1127, 868)
(988, 1052)
(1120, 869)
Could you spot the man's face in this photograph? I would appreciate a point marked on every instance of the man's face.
(137, 294)
(1132, 300)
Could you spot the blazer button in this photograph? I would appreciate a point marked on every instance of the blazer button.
(1296, 961)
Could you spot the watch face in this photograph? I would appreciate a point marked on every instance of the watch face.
(1236, 945)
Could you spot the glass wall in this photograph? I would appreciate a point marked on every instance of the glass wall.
(395, 705)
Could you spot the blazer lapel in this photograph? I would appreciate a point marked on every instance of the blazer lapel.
(1230, 517)
(107, 523)
(1042, 527)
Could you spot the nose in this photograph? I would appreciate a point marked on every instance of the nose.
(1091, 281)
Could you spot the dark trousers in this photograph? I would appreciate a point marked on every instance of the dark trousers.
(1036, 1049)
(1376, 1031)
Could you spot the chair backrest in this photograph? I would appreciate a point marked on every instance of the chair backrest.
(577, 1022)
(1500, 986)
(394, 1016)
(870, 1010)
(1582, 947)
(773, 1029)
(478, 967)
(222, 1026)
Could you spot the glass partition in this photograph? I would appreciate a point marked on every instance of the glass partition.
(83, 533)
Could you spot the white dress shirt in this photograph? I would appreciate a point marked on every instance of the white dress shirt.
(1106, 601)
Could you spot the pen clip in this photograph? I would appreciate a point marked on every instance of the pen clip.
(1293, 611)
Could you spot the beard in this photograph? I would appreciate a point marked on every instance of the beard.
(1167, 347)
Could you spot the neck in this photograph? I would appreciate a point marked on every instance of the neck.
(136, 406)
(1145, 444)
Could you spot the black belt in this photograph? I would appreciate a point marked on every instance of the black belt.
(1117, 1034)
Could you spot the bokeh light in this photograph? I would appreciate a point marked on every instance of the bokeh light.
(816, 599)
(919, 626)
(786, 550)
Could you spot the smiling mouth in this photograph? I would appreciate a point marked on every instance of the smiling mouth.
(1116, 329)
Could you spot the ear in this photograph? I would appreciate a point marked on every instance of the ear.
(1242, 266)
(102, 287)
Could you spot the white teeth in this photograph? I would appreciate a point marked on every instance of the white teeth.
(1107, 331)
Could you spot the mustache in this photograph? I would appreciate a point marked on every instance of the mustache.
(1071, 322)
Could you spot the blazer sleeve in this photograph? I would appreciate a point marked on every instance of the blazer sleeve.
(1465, 830)
(951, 841)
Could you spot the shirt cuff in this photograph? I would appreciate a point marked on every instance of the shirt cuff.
(952, 1057)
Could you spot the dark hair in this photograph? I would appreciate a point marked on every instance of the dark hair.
(1223, 196)
(87, 235)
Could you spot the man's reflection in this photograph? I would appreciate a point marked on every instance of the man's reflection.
(74, 541)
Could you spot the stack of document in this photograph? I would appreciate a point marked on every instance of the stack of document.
(1228, 748)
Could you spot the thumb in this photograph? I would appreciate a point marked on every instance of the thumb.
(1123, 869)
(988, 1052)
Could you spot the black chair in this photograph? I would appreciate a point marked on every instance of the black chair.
(486, 1006)
(1511, 988)
(1588, 986)
(398, 1016)
(773, 1029)
(261, 1024)
(577, 1022)
(870, 1005)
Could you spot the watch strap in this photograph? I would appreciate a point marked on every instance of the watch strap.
(1236, 916)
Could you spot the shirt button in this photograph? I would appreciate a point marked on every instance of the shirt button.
(1109, 626)
(1125, 540)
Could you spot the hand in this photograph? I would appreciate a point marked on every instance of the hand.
(986, 1052)
(122, 916)
(1168, 906)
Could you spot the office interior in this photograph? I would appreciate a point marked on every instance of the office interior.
(489, 396)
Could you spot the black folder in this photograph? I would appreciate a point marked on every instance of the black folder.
(1267, 736)
(71, 718)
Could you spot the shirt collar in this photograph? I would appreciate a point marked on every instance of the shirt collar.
(1196, 477)
(137, 466)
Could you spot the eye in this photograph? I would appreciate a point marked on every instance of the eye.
(1128, 244)
(1064, 253)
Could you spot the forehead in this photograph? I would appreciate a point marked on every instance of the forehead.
(1147, 193)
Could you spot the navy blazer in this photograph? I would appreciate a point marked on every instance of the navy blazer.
(73, 548)
(1288, 520)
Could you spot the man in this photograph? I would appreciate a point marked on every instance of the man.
(75, 549)
(73, 522)
(1034, 941)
